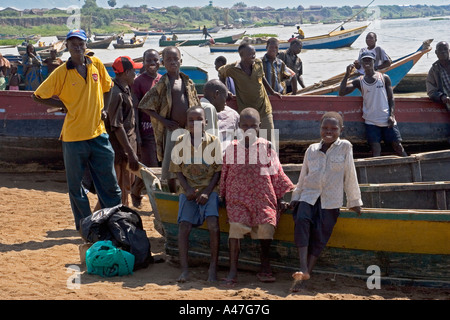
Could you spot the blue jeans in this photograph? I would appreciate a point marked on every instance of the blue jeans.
(97, 155)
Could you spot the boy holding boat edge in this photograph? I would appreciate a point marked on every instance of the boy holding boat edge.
(328, 171)
(378, 105)
(197, 162)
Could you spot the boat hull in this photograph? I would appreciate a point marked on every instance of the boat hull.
(196, 42)
(334, 40)
(409, 246)
(297, 118)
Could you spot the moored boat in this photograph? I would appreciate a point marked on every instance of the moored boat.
(138, 44)
(333, 40)
(196, 42)
(409, 246)
(22, 49)
(192, 31)
(100, 44)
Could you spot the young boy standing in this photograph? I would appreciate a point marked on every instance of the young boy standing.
(253, 184)
(145, 136)
(121, 124)
(328, 171)
(197, 164)
(378, 105)
(167, 103)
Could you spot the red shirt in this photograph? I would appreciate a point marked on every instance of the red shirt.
(142, 84)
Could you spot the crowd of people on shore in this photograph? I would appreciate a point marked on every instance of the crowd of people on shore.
(210, 153)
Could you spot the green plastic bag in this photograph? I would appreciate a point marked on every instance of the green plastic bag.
(105, 260)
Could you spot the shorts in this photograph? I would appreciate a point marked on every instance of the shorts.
(376, 134)
(196, 214)
(260, 231)
(313, 226)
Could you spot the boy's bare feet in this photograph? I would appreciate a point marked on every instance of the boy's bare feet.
(301, 275)
(183, 277)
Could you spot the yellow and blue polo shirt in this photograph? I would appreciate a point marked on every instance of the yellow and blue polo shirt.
(83, 98)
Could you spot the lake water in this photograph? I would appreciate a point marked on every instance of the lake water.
(397, 37)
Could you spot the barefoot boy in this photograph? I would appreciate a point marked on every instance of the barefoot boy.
(328, 170)
(253, 189)
(197, 164)
(167, 103)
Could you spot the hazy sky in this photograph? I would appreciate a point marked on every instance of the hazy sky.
(221, 3)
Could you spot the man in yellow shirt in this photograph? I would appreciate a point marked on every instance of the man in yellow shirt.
(83, 86)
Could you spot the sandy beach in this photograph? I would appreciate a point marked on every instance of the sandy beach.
(39, 249)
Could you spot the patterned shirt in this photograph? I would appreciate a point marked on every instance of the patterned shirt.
(328, 175)
(198, 165)
(159, 99)
(275, 72)
(251, 188)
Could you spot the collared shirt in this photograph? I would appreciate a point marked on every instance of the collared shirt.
(211, 117)
(328, 175)
(275, 72)
(228, 125)
(159, 99)
(250, 91)
(83, 98)
(438, 82)
(121, 115)
(198, 165)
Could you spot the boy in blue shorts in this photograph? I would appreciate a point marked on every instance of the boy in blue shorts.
(378, 105)
(196, 159)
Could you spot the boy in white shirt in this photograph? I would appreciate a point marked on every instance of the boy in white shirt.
(328, 171)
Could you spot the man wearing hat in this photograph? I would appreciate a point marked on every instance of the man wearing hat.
(121, 124)
(83, 86)
(378, 105)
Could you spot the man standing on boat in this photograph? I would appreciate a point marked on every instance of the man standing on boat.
(382, 60)
(438, 79)
(292, 60)
(83, 87)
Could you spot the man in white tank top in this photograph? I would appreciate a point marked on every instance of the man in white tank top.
(378, 105)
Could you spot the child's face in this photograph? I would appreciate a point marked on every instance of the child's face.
(172, 60)
(130, 74)
(272, 50)
(249, 123)
(330, 130)
(151, 62)
(194, 117)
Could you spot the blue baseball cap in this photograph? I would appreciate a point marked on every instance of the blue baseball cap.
(79, 33)
(367, 54)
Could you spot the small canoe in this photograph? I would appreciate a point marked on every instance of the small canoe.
(22, 49)
(191, 31)
(196, 42)
(139, 43)
(60, 47)
(409, 246)
(332, 40)
(100, 44)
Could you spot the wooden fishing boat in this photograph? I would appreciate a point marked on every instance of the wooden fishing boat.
(396, 71)
(138, 44)
(410, 246)
(151, 32)
(422, 122)
(100, 44)
(422, 167)
(22, 49)
(333, 40)
(196, 42)
(193, 31)
(60, 47)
